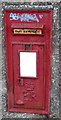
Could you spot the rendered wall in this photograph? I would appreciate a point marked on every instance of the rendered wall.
(54, 93)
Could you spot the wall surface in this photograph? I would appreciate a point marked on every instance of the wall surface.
(30, 0)
(60, 55)
(55, 85)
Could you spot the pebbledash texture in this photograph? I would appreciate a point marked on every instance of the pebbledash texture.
(54, 89)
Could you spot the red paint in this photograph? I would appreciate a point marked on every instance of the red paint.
(31, 94)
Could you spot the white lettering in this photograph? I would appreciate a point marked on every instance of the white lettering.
(24, 17)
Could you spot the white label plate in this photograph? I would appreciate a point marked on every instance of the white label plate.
(28, 64)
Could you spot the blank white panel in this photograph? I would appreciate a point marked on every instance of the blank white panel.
(28, 64)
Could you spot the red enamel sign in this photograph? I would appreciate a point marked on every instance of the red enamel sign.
(28, 36)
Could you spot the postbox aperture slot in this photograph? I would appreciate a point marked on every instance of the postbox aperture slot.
(30, 31)
(28, 64)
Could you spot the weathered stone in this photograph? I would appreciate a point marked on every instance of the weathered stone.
(54, 93)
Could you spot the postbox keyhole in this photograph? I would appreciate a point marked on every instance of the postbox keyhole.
(27, 47)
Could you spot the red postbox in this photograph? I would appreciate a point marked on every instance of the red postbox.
(28, 35)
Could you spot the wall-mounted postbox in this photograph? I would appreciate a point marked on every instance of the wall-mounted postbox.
(28, 36)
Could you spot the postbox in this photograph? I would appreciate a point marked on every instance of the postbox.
(28, 38)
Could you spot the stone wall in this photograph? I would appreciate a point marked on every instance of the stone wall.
(55, 85)
(60, 55)
(31, 1)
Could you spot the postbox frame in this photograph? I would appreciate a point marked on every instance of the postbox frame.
(11, 106)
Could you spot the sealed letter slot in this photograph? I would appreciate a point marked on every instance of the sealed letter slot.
(28, 51)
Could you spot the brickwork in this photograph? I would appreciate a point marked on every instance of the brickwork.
(54, 106)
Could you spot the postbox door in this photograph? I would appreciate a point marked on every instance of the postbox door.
(28, 65)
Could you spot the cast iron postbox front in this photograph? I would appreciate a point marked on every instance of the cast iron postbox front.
(28, 53)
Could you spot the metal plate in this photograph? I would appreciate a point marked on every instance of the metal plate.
(27, 31)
